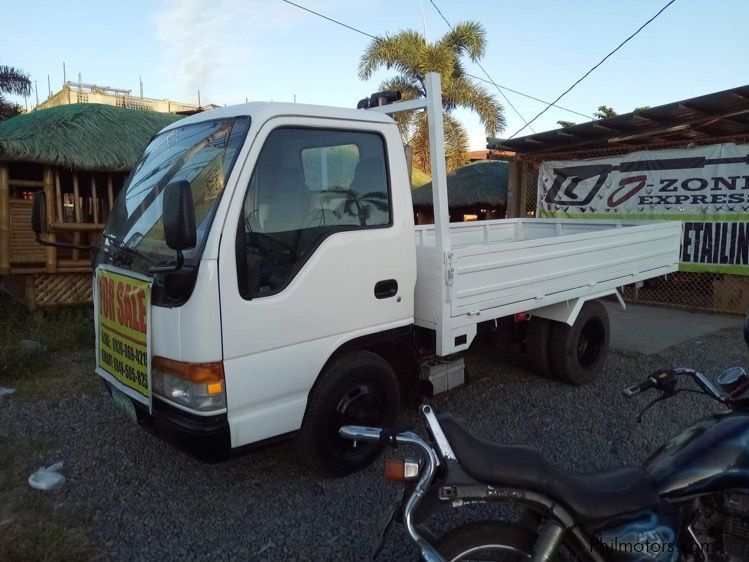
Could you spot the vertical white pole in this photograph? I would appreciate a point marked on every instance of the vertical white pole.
(324, 168)
(439, 197)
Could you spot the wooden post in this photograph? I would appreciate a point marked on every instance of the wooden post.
(77, 214)
(29, 293)
(4, 221)
(58, 196)
(50, 253)
(94, 200)
(514, 189)
(110, 192)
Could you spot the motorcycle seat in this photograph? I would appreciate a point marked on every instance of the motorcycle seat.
(591, 496)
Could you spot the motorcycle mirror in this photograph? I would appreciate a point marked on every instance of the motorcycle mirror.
(732, 378)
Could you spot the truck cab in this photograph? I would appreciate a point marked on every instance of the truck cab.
(304, 246)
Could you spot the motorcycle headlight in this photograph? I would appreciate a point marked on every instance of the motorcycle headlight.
(198, 386)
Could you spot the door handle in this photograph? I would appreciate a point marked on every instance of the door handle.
(386, 289)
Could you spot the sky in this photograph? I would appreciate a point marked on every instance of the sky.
(233, 50)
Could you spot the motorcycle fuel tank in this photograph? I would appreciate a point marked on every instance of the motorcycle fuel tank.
(711, 456)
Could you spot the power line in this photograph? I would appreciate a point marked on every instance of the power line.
(330, 19)
(501, 93)
(359, 31)
(530, 97)
(584, 76)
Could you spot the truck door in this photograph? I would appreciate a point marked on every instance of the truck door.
(318, 255)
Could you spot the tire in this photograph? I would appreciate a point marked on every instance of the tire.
(359, 388)
(578, 352)
(537, 345)
(487, 540)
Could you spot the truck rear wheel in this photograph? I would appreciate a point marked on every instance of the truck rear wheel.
(359, 388)
(537, 345)
(577, 352)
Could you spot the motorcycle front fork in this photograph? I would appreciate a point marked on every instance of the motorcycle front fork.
(549, 538)
(551, 534)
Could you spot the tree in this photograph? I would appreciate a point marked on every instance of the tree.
(356, 205)
(565, 124)
(604, 112)
(12, 81)
(411, 56)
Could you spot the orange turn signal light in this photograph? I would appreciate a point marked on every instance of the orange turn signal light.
(214, 388)
(395, 470)
(211, 374)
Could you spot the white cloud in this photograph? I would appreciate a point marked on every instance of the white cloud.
(211, 45)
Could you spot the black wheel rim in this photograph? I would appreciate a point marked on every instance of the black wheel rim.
(361, 404)
(589, 343)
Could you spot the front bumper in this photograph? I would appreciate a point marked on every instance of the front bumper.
(206, 438)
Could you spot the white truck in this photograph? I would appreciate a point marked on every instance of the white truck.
(260, 276)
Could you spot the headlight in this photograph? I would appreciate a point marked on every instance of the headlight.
(198, 386)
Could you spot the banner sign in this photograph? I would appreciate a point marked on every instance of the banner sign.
(123, 319)
(706, 187)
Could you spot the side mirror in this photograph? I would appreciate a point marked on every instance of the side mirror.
(39, 224)
(39, 214)
(179, 216)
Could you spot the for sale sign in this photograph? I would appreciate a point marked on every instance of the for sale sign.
(123, 319)
(705, 187)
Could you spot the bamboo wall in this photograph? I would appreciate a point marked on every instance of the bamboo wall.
(78, 204)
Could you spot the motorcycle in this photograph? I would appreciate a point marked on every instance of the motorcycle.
(688, 501)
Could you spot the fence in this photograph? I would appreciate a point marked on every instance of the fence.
(714, 292)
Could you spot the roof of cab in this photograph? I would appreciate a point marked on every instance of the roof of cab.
(261, 112)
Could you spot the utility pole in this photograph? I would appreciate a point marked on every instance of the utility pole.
(423, 20)
(36, 91)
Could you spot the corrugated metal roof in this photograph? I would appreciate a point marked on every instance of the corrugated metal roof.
(717, 115)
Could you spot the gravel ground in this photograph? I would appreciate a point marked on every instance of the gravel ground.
(144, 500)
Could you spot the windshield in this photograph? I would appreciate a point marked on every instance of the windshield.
(202, 154)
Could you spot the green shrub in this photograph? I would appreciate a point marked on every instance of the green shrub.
(56, 330)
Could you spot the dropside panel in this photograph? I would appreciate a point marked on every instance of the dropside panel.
(543, 271)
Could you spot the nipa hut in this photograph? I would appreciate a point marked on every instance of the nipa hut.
(477, 191)
(79, 155)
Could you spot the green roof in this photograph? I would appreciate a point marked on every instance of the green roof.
(481, 183)
(83, 136)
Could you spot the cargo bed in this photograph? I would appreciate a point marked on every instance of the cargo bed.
(501, 267)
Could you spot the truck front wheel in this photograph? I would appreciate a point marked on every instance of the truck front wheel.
(578, 352)
(359, 388)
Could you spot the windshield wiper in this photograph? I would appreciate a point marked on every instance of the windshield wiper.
(123, 248)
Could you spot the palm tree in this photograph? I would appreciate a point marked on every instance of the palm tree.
(12, 81)
(411, 56)
(357, 205)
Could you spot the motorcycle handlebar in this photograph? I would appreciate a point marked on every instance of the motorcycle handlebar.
(427, 473)
(665, 381)
(636, 389)
(360, 433)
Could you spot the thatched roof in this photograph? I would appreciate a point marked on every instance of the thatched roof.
(480, 183)
(84, 136)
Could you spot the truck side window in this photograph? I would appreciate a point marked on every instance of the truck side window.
(307, 185)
